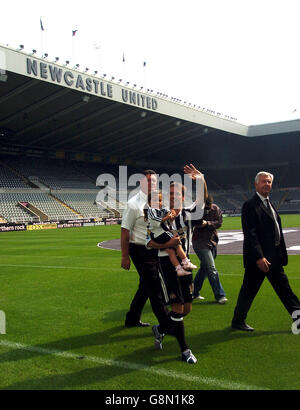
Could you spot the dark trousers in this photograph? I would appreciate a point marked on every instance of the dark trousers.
(252, 282)
(146, 264)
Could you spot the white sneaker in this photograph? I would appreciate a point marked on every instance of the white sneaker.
(189, 265)
(188, 357)
(182, 272)
(199, 297)
(222, 300)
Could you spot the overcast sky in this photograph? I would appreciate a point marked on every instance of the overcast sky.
(238, 57)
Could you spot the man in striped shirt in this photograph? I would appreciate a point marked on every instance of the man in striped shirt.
(178, 291)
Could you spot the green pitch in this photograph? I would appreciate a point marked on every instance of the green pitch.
(65, 301)
(288, 221)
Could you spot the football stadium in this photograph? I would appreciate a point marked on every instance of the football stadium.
(63, 299)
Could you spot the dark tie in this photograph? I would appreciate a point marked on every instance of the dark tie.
(277, 231)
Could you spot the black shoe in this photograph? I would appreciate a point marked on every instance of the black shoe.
(242, 326)
(136, 324)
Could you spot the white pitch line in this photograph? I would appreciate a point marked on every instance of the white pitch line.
(105, 247)
(210, 381)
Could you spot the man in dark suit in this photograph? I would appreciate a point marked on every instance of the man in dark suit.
(264, 253)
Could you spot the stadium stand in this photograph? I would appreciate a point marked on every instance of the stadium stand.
(52, 173)
(9, 178)
(62, 190)
(55, 141)
(84, 204)
(40, 200)
(59, 189)
(11, 211)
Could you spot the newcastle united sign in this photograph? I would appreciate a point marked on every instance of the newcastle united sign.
(82, 82)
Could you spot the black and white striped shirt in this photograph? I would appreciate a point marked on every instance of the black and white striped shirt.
(182, 225)
(155, 224)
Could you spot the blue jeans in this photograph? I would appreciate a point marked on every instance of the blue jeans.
(207, 269)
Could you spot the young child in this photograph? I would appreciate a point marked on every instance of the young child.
(158, 230)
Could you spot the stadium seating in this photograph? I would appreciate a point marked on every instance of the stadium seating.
(10, 179)
(66, 190)
(84, 203)
(53, 173)
(11, 211)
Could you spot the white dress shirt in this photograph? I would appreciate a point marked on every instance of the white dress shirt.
(133, 219)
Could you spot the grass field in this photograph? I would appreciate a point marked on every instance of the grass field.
(65, 300)
(288, 221)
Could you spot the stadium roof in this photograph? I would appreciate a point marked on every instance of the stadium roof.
(48, 106)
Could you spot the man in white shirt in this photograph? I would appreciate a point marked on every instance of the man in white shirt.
(133, 239)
